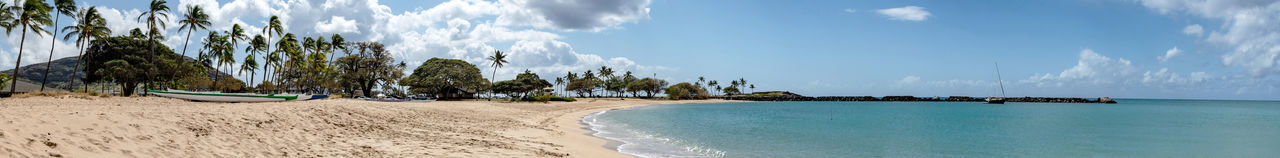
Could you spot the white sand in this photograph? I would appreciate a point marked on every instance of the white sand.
(160, 127)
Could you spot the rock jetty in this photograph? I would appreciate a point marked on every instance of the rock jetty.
(788, 96)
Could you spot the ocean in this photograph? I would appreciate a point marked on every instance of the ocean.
(1133, 128)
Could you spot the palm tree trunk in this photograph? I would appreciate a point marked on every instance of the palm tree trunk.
(491, 82)
(75, 70)
(21, 44)
(184, 46)
(49, 63)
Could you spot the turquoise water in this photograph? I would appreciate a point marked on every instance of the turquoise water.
(1135, 128)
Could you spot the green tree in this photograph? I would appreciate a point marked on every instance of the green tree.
(649, 86)
(33, 15)
(497, 60)
(372, 66)
(124, 60)
(89, 25)
(685, 90)
(4, 78)
(61, 7)
(156, 10)
(194, 19)
(731, 90)
(583, 86)
(446, 79)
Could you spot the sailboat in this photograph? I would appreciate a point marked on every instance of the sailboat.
(997, 100)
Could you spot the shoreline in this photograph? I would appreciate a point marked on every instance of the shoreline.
(584, 140)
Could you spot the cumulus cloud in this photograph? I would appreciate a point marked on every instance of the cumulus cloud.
(1169, 54)
(337, 25)
(1248, 30)
(588, 15)
(908, 13)
(1193, 29)
(851, 10)
(1092, 68)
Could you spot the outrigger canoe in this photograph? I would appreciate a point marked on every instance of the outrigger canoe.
(233, 97)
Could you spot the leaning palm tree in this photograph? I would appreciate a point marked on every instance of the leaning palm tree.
(194, 19)
(497, 60)
(67, 7)
(33, 16)
(274, 27)
(338, 43)
(156, 10)
(89, 24)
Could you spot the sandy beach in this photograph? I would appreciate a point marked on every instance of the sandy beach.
(160, 127)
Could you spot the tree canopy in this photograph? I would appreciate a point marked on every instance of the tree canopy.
(446, 79)
(370, 66)
(685, 90)
(525, 84)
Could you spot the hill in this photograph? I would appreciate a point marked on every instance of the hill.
(60, 73)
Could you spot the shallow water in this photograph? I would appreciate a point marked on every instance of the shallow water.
(1135, 128)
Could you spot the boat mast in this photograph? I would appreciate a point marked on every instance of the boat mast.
(999, 80)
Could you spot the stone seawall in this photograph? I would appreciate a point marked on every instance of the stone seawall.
(916, 99)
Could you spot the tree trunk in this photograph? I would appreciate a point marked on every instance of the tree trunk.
(76, 69)
(14, 84)
(52, 45)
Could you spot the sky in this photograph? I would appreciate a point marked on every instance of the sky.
(1169, 49)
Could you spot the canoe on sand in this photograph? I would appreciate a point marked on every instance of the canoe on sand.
(228, 97)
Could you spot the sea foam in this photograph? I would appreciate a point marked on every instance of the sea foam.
(641, 144)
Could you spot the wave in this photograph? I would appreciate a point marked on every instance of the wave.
(640, 144)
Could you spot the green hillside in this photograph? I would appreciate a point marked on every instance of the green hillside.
(60, 73)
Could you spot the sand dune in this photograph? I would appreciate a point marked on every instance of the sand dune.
(160, 127)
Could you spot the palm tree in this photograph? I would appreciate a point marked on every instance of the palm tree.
(338, 43)
(234, 35)
(497, 60)
(33, 15)
(89, 24)
(559, 81)
(6, 16)
(288, 44)
(67, 7)
(155, 11)
(194, 19)
(753, 88)
(254, 47)
(274, 27)
(714, 83)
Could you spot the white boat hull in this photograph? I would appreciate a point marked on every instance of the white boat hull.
(223, 97)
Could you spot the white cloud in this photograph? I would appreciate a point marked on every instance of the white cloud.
(1092, 68)
(1193, 29)
(1169, 54)
(851, 10)
(909, 80)
(908, 13)
(337, 25)
(1248, 30)
(458, 29)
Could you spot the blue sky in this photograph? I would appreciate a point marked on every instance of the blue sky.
(1087, 48)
